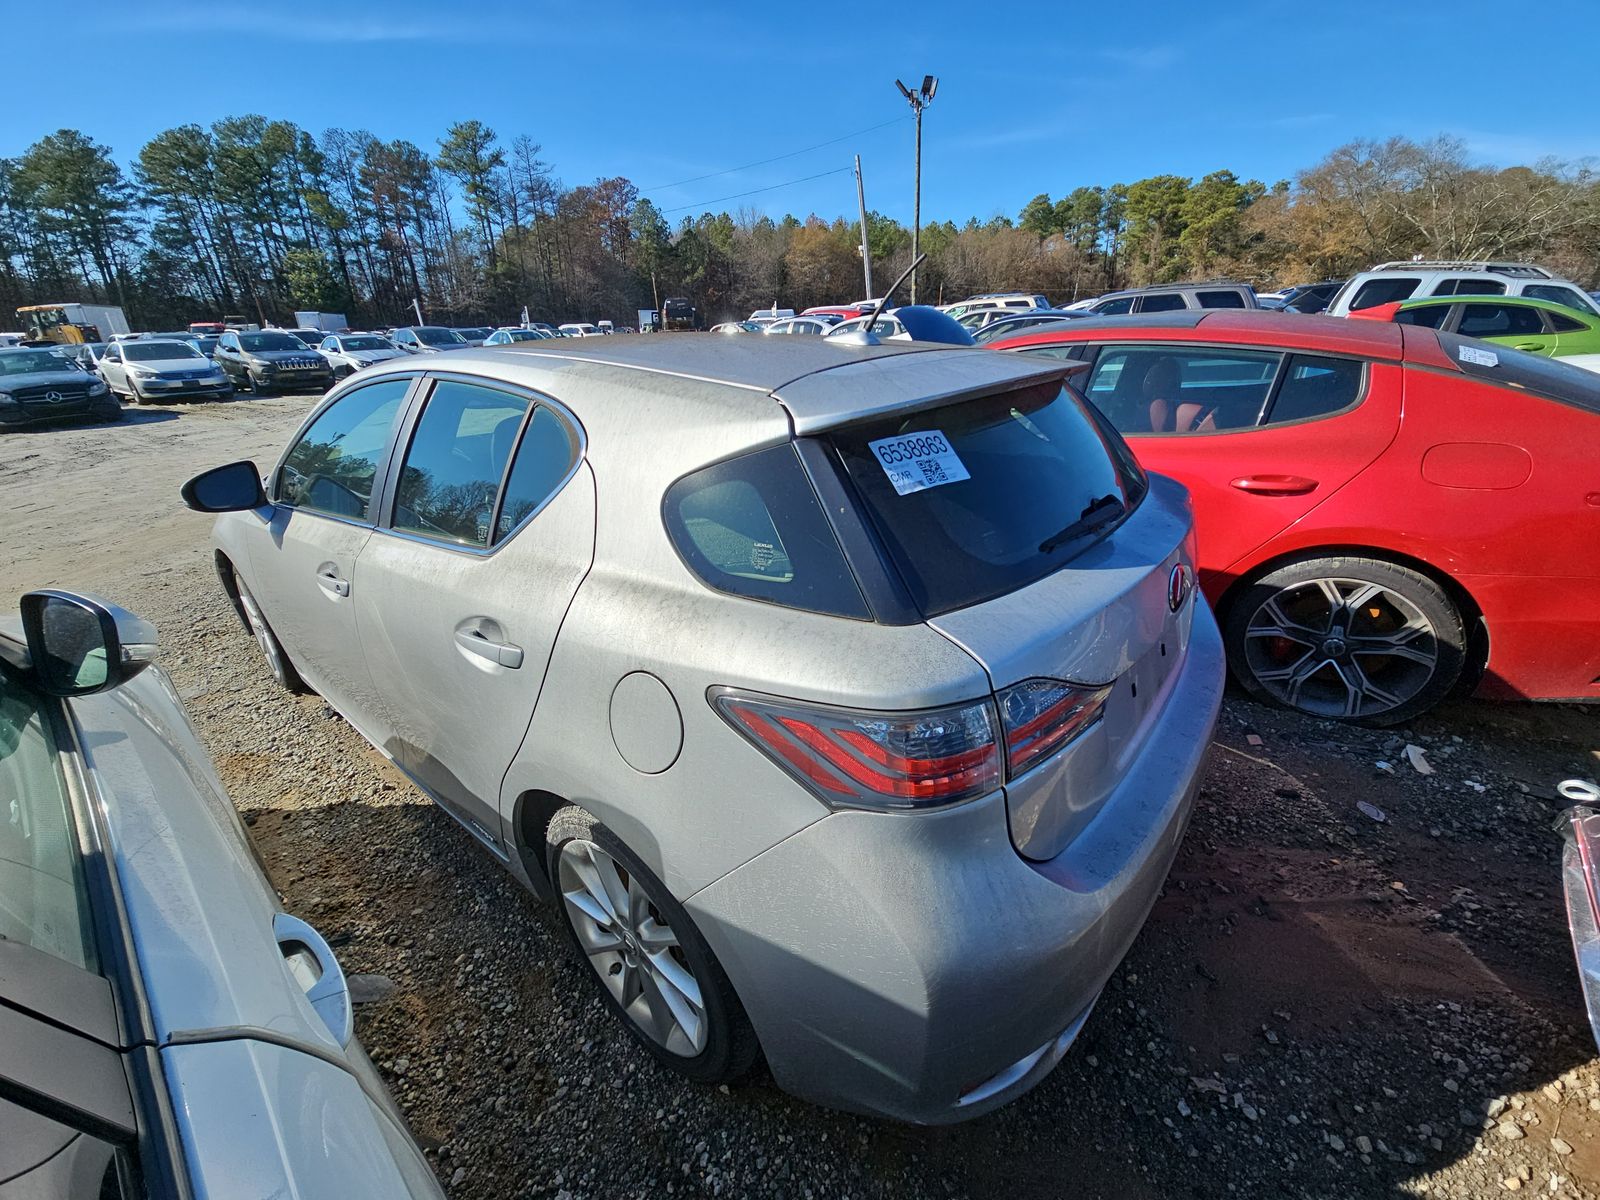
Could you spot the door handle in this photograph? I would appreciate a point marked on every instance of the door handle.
(311, 962)
(331, 581)
(501, 653)
(1530, 346)
(1274, 485)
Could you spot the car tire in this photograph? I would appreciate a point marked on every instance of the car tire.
(271, 648)
(723, 1045)
(1348, 639)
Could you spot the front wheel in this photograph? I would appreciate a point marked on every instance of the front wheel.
(655, 970)
(1348, 639)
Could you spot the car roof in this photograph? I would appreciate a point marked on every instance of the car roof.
(1519, 301)
(1371, 339)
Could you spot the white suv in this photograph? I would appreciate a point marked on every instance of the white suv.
(1391, 281)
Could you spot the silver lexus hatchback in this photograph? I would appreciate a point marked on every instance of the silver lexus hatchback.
(848, 700)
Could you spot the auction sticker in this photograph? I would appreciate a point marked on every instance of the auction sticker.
(1484, 358)
(917, 461)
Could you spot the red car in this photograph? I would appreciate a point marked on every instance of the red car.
(1383, 511)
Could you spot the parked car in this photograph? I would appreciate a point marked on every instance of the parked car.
(811, 326)
(1169, 298)
(1366, 555)
(1389, 282)
(1535, 326)
(740, 327)
(85, 354)
(312, 338)
(839, 312)
(347, 353)
(271, 360)
(509, 337)
(1309, 297)
(37, 385)
(428, 339)
(772, 314)
(169, 1029)
(1014, 323)
(580, 329)
(147, 371)
(887, 326)
(475, 335)
(911, 633)
(996, 302)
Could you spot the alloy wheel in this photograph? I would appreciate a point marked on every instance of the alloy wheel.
(633, 949)
(1346, 648)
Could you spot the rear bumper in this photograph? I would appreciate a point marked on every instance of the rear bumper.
(916, 967)
(1544, 636)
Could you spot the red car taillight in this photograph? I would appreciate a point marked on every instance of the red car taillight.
(860, 759)
(1042, 715)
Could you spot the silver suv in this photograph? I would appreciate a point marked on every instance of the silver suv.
(848, 700)
(1392, 281)
(1170, 298)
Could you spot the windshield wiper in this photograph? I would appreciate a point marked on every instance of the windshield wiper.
(1099, 512)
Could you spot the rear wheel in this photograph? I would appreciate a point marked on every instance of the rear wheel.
(271, 649)
(1349, 639)
(655, 970)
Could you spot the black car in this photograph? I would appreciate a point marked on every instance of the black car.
(270, 360)
(41, 384)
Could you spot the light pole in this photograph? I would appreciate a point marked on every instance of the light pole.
(919, 100)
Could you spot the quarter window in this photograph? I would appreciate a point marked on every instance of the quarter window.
(332, 467)
(451, 477)
(752, 526)
(1385, 289)
(543, 460)
(1498, 320)
(1220, 299)
(1168, 389)
(1564, 324)
(1314, 386)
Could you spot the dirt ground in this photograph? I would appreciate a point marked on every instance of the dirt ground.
(1322, 1004)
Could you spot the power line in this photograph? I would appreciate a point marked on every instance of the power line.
(756, 191)
(792, 154)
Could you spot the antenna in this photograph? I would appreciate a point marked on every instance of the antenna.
(878, 312)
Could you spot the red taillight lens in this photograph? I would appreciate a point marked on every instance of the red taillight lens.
(1042, 715)
(874, 760)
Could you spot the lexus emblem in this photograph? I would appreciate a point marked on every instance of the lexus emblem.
(1179, 584)
(52, 397)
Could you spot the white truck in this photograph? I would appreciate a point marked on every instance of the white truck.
(327, 322)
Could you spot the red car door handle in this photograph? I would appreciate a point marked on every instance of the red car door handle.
(1274, 485)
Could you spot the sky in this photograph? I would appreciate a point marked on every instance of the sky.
(1033, 97)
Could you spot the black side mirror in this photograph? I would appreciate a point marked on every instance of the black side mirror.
(233, 488)
(78, 644)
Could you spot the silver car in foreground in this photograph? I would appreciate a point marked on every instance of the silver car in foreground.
(848, 699)
(166, 1029)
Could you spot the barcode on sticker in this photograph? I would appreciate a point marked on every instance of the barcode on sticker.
(914, 462)
(1484, 358)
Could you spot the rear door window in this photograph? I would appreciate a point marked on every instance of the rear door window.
(1470, 287)
(1181, 389)
(1314, 386)
(1221, 298)
(450, 481)
(1384, 289)
(1433, 316)
(979, 498)
(752, 526)
(1162, 302)
(1557, 294)
(1115, 308)
(1498, 320)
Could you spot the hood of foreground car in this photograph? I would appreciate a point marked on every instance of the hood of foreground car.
(66, 377)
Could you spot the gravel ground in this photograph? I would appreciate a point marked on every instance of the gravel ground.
(1321, 1005)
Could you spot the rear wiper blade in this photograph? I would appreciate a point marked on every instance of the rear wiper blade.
(1099, 512)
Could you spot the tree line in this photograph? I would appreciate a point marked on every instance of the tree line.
(260, 218)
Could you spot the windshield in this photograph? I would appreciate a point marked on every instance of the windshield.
(158, 351)
(23, 362)
(270, 341)
(367, 343)
(207, 344)
(982, 497)
(439, 337)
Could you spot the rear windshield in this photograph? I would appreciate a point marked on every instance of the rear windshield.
(980, 498)
(1547, 377)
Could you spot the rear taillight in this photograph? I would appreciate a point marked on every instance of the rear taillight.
(856, 759)
(1042, 715)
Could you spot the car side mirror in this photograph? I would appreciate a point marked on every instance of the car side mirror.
(78, 645)
(232, 488)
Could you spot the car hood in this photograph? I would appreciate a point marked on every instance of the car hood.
(278, 356)
(372, 356)
(67, 375)
(172, 364)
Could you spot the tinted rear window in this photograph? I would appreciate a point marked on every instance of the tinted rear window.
(984, 487)
(753, 527)
(1547, 377)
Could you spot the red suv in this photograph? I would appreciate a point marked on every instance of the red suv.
(1383, 510)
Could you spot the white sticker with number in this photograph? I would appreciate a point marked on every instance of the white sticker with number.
(1484, 358)
(916, 461)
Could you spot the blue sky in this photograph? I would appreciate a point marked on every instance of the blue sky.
(1034, 96)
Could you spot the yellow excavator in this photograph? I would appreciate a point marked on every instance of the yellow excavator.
(71, 324)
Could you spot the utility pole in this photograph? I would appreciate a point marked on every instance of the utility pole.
(416, 306)
(866, 252)
(919, 100)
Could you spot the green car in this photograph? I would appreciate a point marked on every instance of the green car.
(1537, 326)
